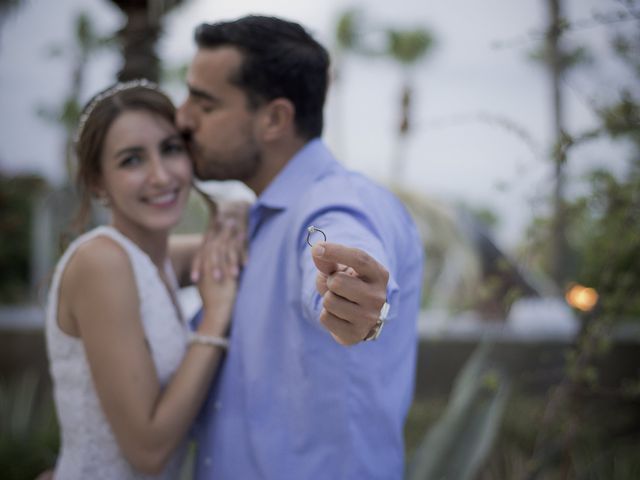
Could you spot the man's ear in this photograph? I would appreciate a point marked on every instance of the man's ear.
(278, 119)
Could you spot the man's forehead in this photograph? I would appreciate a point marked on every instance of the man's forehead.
(213, 66)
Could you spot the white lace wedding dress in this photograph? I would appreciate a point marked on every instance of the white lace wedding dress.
(88, 447)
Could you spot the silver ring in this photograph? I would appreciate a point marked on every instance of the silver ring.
(311, 230)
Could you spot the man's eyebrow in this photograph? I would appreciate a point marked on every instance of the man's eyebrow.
(196, 92)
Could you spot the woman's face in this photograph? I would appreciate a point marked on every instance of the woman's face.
(146, 173)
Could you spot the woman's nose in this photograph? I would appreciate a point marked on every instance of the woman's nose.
(158, 173)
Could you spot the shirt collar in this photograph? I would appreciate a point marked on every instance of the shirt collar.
(308, 164)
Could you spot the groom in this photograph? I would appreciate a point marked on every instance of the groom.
(302, 394)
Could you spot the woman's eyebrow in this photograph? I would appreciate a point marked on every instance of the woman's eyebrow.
(133, 149)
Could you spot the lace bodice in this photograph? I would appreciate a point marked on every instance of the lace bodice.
(88, 446)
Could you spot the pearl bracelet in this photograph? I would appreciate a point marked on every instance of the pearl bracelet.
(221, 342)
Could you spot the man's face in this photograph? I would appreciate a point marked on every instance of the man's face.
(217, 119)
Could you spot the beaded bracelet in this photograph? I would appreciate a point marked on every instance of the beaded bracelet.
(221, 342)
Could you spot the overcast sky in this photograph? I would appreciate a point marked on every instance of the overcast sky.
(458, 151)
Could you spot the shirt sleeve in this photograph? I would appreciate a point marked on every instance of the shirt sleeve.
(350, 228)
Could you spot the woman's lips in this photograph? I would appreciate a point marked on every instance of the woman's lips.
(163, 200)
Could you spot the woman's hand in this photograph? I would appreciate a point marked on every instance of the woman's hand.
(236, 215)
(219, 267)
(229, 219)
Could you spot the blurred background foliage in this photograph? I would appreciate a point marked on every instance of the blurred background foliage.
(29, 439)
(17, 196)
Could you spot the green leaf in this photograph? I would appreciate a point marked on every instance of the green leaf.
(458, 444)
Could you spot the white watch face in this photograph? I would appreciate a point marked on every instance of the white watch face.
(384, 311)
(378, 328)
(375, 331)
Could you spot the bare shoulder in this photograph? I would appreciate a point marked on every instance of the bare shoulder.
(101, 262)
(101, 253)
(98, 278)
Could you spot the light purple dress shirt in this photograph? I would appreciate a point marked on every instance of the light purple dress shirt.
(289, 402)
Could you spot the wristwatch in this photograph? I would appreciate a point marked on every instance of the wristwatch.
(377, 328)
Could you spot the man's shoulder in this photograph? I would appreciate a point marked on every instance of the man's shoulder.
(361, 198)
(340, 186)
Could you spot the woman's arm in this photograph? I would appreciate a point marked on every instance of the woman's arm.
(148, 422)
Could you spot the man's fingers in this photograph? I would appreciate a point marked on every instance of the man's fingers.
(350, 312)
(355, 290)
(341, 330)
(327, 256)
(321, 283)
(321, 278)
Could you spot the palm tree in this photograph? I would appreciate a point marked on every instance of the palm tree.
(86, 43)
(6, 7)
(347, 39)
(407, 48)
(139, 36)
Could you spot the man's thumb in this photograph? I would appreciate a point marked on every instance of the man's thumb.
(326, 267)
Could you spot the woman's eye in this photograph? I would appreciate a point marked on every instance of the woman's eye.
(130, 161)
(174, 147)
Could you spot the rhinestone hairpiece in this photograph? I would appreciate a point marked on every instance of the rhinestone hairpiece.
(118, 87)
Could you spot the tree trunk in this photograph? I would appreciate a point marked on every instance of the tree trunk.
(559, 248)
(139, 36)
(398, 165)
(138, 41)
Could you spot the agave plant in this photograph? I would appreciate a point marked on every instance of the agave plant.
(459, 443)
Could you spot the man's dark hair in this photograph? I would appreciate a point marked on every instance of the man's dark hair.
(281, 59)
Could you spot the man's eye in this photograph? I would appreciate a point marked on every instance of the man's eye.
(206, 106)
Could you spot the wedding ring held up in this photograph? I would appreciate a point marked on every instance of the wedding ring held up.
(310, 231)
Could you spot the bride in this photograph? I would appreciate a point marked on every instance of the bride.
(129, 377)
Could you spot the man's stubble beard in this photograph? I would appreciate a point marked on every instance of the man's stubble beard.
(241, 165)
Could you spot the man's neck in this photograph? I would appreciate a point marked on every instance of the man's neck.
(275, 158)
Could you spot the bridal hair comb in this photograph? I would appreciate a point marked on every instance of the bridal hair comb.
(109, 92)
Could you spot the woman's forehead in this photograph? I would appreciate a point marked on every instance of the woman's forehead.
(139, 125)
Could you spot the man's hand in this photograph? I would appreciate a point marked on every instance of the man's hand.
(354, 289)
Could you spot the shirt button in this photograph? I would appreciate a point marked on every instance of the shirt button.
(217, 405)
(207, 461)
